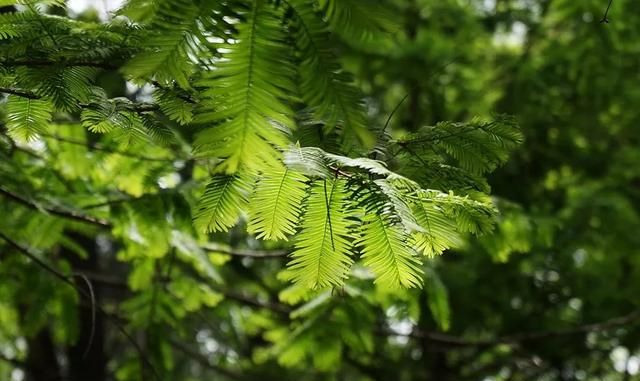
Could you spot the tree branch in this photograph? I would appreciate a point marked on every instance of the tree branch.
(255, 254)
(202, 360)
(42, 62)
(19, 92)
(27, 252)
(98, 147)
(605, 18)
(13, 361)
(69, 214)
(516, 338)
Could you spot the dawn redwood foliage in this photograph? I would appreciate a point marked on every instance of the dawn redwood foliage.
(261, 190)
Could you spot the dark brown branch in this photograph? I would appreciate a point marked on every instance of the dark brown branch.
(70, 63)
(516, 338)
(69, 214)
(19, 92)
(34, 257)
(605, 19)
(255, 254)
(202, 360)
(13, 361)
(185, 98)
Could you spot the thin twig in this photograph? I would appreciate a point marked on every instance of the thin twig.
(98, 147)
(631, 318)
(605, 19)
(200, 358)
(15, 362)
(19, 92)
(92, 332)
(64, 63)
(255, 254)
(67, 280)
(69, 214)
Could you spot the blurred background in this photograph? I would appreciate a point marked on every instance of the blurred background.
(553, 294)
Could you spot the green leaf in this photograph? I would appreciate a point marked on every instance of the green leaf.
(244, 96)
(220, 206)
(325, 86)
(26, 118)
(438, 300)
(357, 21)
(173, 39)
(440, 233)
(322, 256)
(66, 86)
(478, 146)
(276, 204)
(386, 251)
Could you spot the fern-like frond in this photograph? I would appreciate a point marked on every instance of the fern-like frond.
(26, 117)
(323, 247)
(359, 21)
(106, 115)
(222, 203)
(17, 24)
(477, 146)
(385, 249)
(245, 95)
(66, 86)
(310, 161)
(441, 232)
(326, 88)
(470, 215)
(173, 106)
(276, 204)
(169, 47)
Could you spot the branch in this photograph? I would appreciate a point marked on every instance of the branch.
(64, 63)
(13, 361)
(255, 254)
(69, 214)
(34, 257)
(630, 318)
(202, 360)
(19, 92)
(605, 19)
(98, 147)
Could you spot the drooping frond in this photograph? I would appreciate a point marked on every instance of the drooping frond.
(308, 160)
(326, 88)
(26, 117)
(276, 204)
(107, 115)
(16, 24)
(322, 256)
(433, 174)
(245, 93)
(386, 251)
(4, 3)
(66, 86)
(316, 162)
(171, 43)
(477, 146)
(222, 203)
(174, 106)
(358, 21)
(440, 233)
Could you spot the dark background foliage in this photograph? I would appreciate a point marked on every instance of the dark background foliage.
(552, 294)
